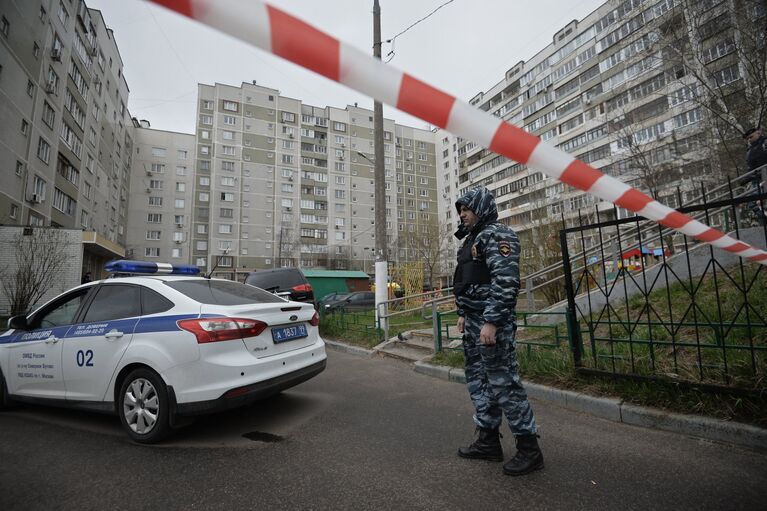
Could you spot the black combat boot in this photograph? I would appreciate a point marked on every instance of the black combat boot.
(487, 446)
(528, 458)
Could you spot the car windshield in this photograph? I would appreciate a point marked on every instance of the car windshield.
(340, 296)
(222, 292)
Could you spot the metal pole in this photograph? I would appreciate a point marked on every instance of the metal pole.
(381, 269)
(572, 311)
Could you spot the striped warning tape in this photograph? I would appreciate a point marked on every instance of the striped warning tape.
(288, 37)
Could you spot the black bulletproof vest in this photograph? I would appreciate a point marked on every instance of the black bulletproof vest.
(468, 271)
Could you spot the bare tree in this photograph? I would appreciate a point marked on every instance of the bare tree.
(717, 56)
(40, 257)
(286, 245)
(540, 249)
(428, 243)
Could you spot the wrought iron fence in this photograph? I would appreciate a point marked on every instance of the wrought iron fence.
(649, 303)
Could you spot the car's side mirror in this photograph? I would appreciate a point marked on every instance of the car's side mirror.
(18, 323)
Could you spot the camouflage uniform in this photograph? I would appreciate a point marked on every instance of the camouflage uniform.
(486, 288)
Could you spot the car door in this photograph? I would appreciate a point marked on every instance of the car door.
(93, 347)
(35, 354)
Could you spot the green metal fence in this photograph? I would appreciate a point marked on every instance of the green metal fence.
(530, 333)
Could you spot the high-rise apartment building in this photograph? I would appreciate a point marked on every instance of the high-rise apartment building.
(66, 143)
(162, 181)
(626, 90)
(283, 183)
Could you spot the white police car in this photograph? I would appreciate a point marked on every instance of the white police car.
(157, 349)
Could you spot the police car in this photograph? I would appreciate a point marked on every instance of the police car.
(158, 346)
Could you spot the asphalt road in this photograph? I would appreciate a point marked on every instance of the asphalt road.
(365, 434)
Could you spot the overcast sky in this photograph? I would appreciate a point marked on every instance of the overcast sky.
(465, 47)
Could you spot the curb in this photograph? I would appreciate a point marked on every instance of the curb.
(617, 411)
(346, 348)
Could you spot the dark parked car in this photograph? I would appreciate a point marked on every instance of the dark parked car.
(359, 301)
(332, 297)
(289, 283)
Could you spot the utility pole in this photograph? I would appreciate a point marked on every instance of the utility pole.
(381, 269)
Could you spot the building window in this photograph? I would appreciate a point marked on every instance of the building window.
(49, 115)
(153, 235)
(179, 203)
(159, 152)
(151, 251)
(181, 154)
(225, 229)
(230, 120)
(227, 196)
(14, 211)
(44, 150)
(231, 106)
(207, 120)
(5, 26)
(207, 104)
(154, 218)
(204, 197)
(175, 253)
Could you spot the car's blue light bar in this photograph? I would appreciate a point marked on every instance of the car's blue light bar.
(125, 266)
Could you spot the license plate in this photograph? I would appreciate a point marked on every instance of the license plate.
(288, 333)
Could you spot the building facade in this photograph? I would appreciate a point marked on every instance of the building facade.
(163, 175)
(66, 136)
(628, 89)
(283, 183)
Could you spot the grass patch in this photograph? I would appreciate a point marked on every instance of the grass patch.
(448, 357)
(359, 328)
(553, 367)
(711, 330)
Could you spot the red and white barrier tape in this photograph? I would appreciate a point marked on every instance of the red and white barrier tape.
(288, 37)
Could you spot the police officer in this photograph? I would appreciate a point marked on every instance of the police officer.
(756, 157)
(486, 284)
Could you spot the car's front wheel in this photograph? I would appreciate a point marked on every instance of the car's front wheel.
(143, 406)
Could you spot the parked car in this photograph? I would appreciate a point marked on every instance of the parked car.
(332, 297)
(359, 301)
(289, 283)
(158, 349)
